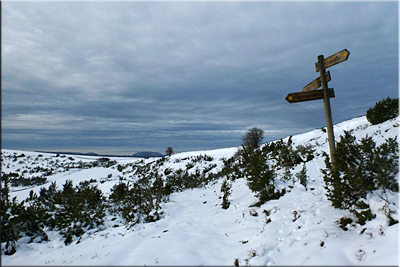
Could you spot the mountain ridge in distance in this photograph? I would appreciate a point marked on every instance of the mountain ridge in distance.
(142, 154)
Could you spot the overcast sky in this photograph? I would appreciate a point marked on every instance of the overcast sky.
(119, 78)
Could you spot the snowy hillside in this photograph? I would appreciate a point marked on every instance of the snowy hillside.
(300, 228)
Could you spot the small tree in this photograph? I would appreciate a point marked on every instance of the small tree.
(251, 141)
(260, 176)
(226, 190)
(257, 166)
(302, 176)
(169, 151)
(9, 231)
(253, 138)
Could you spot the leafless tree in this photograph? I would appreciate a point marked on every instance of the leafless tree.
(169, 151)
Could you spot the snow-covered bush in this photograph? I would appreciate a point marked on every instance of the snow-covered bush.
(226, 190)
(302, 176)
(70, 211)
(360, 168)
(260, 176)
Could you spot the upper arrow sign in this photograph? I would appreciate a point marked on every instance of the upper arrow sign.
(316, 83)
(334, 59)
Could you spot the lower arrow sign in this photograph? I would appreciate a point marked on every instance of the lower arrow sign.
(307, 96)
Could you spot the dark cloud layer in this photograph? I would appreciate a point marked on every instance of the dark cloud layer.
(122, 77)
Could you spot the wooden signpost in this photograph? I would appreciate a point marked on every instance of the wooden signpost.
(310, 93)
(316, 83)
(307, 96)
(334, 59)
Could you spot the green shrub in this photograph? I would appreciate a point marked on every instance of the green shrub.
(10, 219)
(364, 215)
(286, 156)
(260, 176)
(232, 169)
(287, 175)
(360, 168)
(119, 192)
(141, 202)
(226, 190)
(68, 239)
(391, 220)
(302, 176)
(344, 222)
(383, 110)
(259, 165)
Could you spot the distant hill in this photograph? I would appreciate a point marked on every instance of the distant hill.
(143, 154)
(147, 154)
(71, 153)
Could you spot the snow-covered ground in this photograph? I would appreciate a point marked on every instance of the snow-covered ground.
(300, 228)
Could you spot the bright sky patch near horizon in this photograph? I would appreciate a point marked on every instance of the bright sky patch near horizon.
(118, 78)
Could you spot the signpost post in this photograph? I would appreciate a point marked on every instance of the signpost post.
(327, 107)
(310, 93)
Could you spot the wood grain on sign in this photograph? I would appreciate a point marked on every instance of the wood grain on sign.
(316, 83)
(334, 59)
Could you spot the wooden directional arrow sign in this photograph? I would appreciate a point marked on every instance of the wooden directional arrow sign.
(307, 96)
(334, 59)
(316, 83)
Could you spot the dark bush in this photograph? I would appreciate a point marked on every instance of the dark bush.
(364, 215)
(391, 220)
(302, 176)
(360, 168)
(226, 190)
(383, 110)
(344, 222)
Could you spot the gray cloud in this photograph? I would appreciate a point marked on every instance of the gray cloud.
(132, 76)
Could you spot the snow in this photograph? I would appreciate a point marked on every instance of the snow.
(195, 230)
